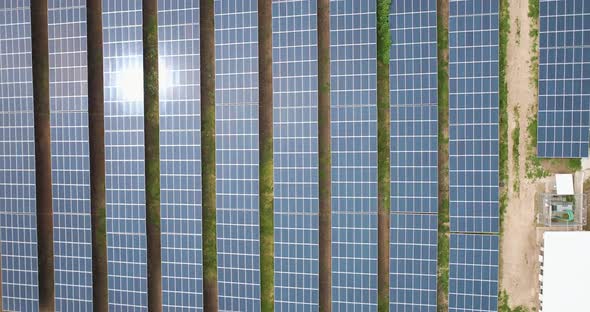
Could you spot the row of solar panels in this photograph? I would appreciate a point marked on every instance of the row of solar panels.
(413, 83)
(564, 79)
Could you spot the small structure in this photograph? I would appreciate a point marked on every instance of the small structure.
(564, 184)
(561, 206)
(565, 273)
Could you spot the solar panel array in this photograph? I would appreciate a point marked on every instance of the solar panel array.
(473, 75)
(124, 152)
(353, 96)
(236, 145)
(413, 253)
(18, 219)
(295, 131)
(564, 79)
(473, 280)
(414, 157)
(180, 155)
(474, 148)
(68, 91)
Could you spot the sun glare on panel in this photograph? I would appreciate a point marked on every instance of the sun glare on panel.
(130, 84)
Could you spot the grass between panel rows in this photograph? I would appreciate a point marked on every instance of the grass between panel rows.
(383, 139)
(443, 150)
(503, 108)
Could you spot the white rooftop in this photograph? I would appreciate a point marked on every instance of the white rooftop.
(566, 272)
(564, 184)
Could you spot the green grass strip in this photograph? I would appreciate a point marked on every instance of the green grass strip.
(503, 107)
(266, 226)
(443, 150)
(383, 138)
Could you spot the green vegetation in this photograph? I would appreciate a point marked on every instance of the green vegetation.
(208, 167)
(443, 149)
(266, 226)
(383, 130)
(515, 152)
(152, 123)
(517, 30)
(503, 103)
(503, 107)
(503, 304)
(534, 34)
(533, 168)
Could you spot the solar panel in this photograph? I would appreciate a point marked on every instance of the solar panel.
(236, 145)
(564, 79)
(473, 116)
(18, 218)
(414, 111)
(413, 250)
(295, 131)
(180, 155)
(473, 279)
(353, 80)
(124, 152)
(70, 168)
(414, 155)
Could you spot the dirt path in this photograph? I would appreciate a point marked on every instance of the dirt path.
(97, 163)
(519, 244)
(325, 166)
(40, 50)
(443, 155)
(210, 302)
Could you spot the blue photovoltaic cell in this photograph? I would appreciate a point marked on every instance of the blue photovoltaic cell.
(236, 147)
(295, 132)
(414, 111)
(473, 276)
(124, 152)
(413, 250)
(353, 96)
(180, 155)
(564, 78)
(18, 213)
(473, 101)
(70, 167)
(414, 158)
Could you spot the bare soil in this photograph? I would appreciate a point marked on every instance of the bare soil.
(97, 157)
(40, 56)
(519, 246)
(325, 232)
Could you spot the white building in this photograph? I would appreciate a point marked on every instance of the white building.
(565, 272)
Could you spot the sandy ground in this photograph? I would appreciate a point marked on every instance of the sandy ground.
(519, 276)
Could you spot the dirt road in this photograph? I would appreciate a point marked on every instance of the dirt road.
(519, 276)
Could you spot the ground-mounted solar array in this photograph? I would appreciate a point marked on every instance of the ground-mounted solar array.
(180, 155)
(474, 148)
(236, 145)
(414, 155)
(473, 117)
(353, 96)
(295, 131)
(124, 153)
(68, 92)
(18, 219)
(564, 79)
(413, 252)
(473, 276)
